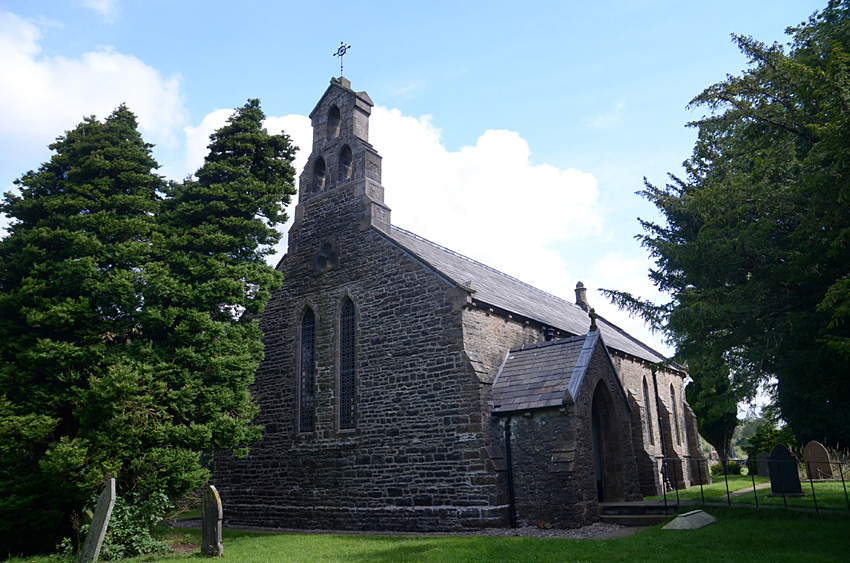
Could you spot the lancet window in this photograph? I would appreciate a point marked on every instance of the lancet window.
(347, 366)
(307, 397)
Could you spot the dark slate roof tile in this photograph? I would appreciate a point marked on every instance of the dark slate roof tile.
(517, 389)
(510, 294)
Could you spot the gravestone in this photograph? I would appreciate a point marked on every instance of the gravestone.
(211, 523)
(693, 520)
(97, 530)
(817, 461)
(762, 467)
(784, 480)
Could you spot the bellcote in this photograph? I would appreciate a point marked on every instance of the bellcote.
(342, 177)
(341, 154)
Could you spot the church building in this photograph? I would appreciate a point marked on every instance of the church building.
(408, 387)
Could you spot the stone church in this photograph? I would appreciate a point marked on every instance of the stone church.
(408, 387)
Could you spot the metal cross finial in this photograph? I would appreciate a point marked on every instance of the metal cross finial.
(343, 48)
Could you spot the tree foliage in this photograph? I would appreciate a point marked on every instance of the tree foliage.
(712, 397)
(127, 337)
(753, 250)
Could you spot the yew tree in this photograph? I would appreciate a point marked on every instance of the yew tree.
(128, 337)
(754, 243)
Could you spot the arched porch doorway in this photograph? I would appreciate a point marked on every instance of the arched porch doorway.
(607, 458)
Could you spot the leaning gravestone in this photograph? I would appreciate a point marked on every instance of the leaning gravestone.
(817, 461)
(784, 480)
(211, 523)
(762, 468)
(97, 530)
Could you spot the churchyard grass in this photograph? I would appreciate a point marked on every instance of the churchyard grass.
(830, 494)
(757, 535)
(717, 488)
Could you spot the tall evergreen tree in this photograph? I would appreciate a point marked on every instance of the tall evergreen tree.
(70, 293)
(217, 231)
(127, 331)
(755, 248)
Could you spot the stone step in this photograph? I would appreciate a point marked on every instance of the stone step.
(635, 519)
(638, 508)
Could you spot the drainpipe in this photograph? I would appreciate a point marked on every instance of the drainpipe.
(510, 471)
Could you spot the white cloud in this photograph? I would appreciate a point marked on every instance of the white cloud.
(108, 9)
(197, 139)
(300, 130)
(40, 97)
(487, 201)
(538, 223)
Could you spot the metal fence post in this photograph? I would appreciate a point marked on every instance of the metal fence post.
(755, 491)
(812, 484)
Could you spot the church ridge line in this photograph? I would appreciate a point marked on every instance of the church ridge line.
(483, 265)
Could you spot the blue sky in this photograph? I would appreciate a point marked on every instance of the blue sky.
(515, 133)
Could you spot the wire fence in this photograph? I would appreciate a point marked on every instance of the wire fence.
(782, 473)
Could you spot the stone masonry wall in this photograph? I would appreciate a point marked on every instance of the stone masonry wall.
(489, 336)
(552, 456)
(632, 372)
(416, 459)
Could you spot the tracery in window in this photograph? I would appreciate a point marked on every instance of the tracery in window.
(347, 366)
(307, 400)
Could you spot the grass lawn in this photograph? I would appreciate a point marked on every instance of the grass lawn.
(716, 489)
(830, 494)
(756, 535)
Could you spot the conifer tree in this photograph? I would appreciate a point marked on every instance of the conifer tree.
(70, 294)
(128, 337)
(754, 249)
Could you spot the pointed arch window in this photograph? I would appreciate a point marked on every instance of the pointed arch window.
(675, 415)
(333, 123)
(318, 175)
(648, 409)
(307, 397)
(345, 168)
(347, 365)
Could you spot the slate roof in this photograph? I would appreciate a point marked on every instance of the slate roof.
(510, 294)
(542, 376)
